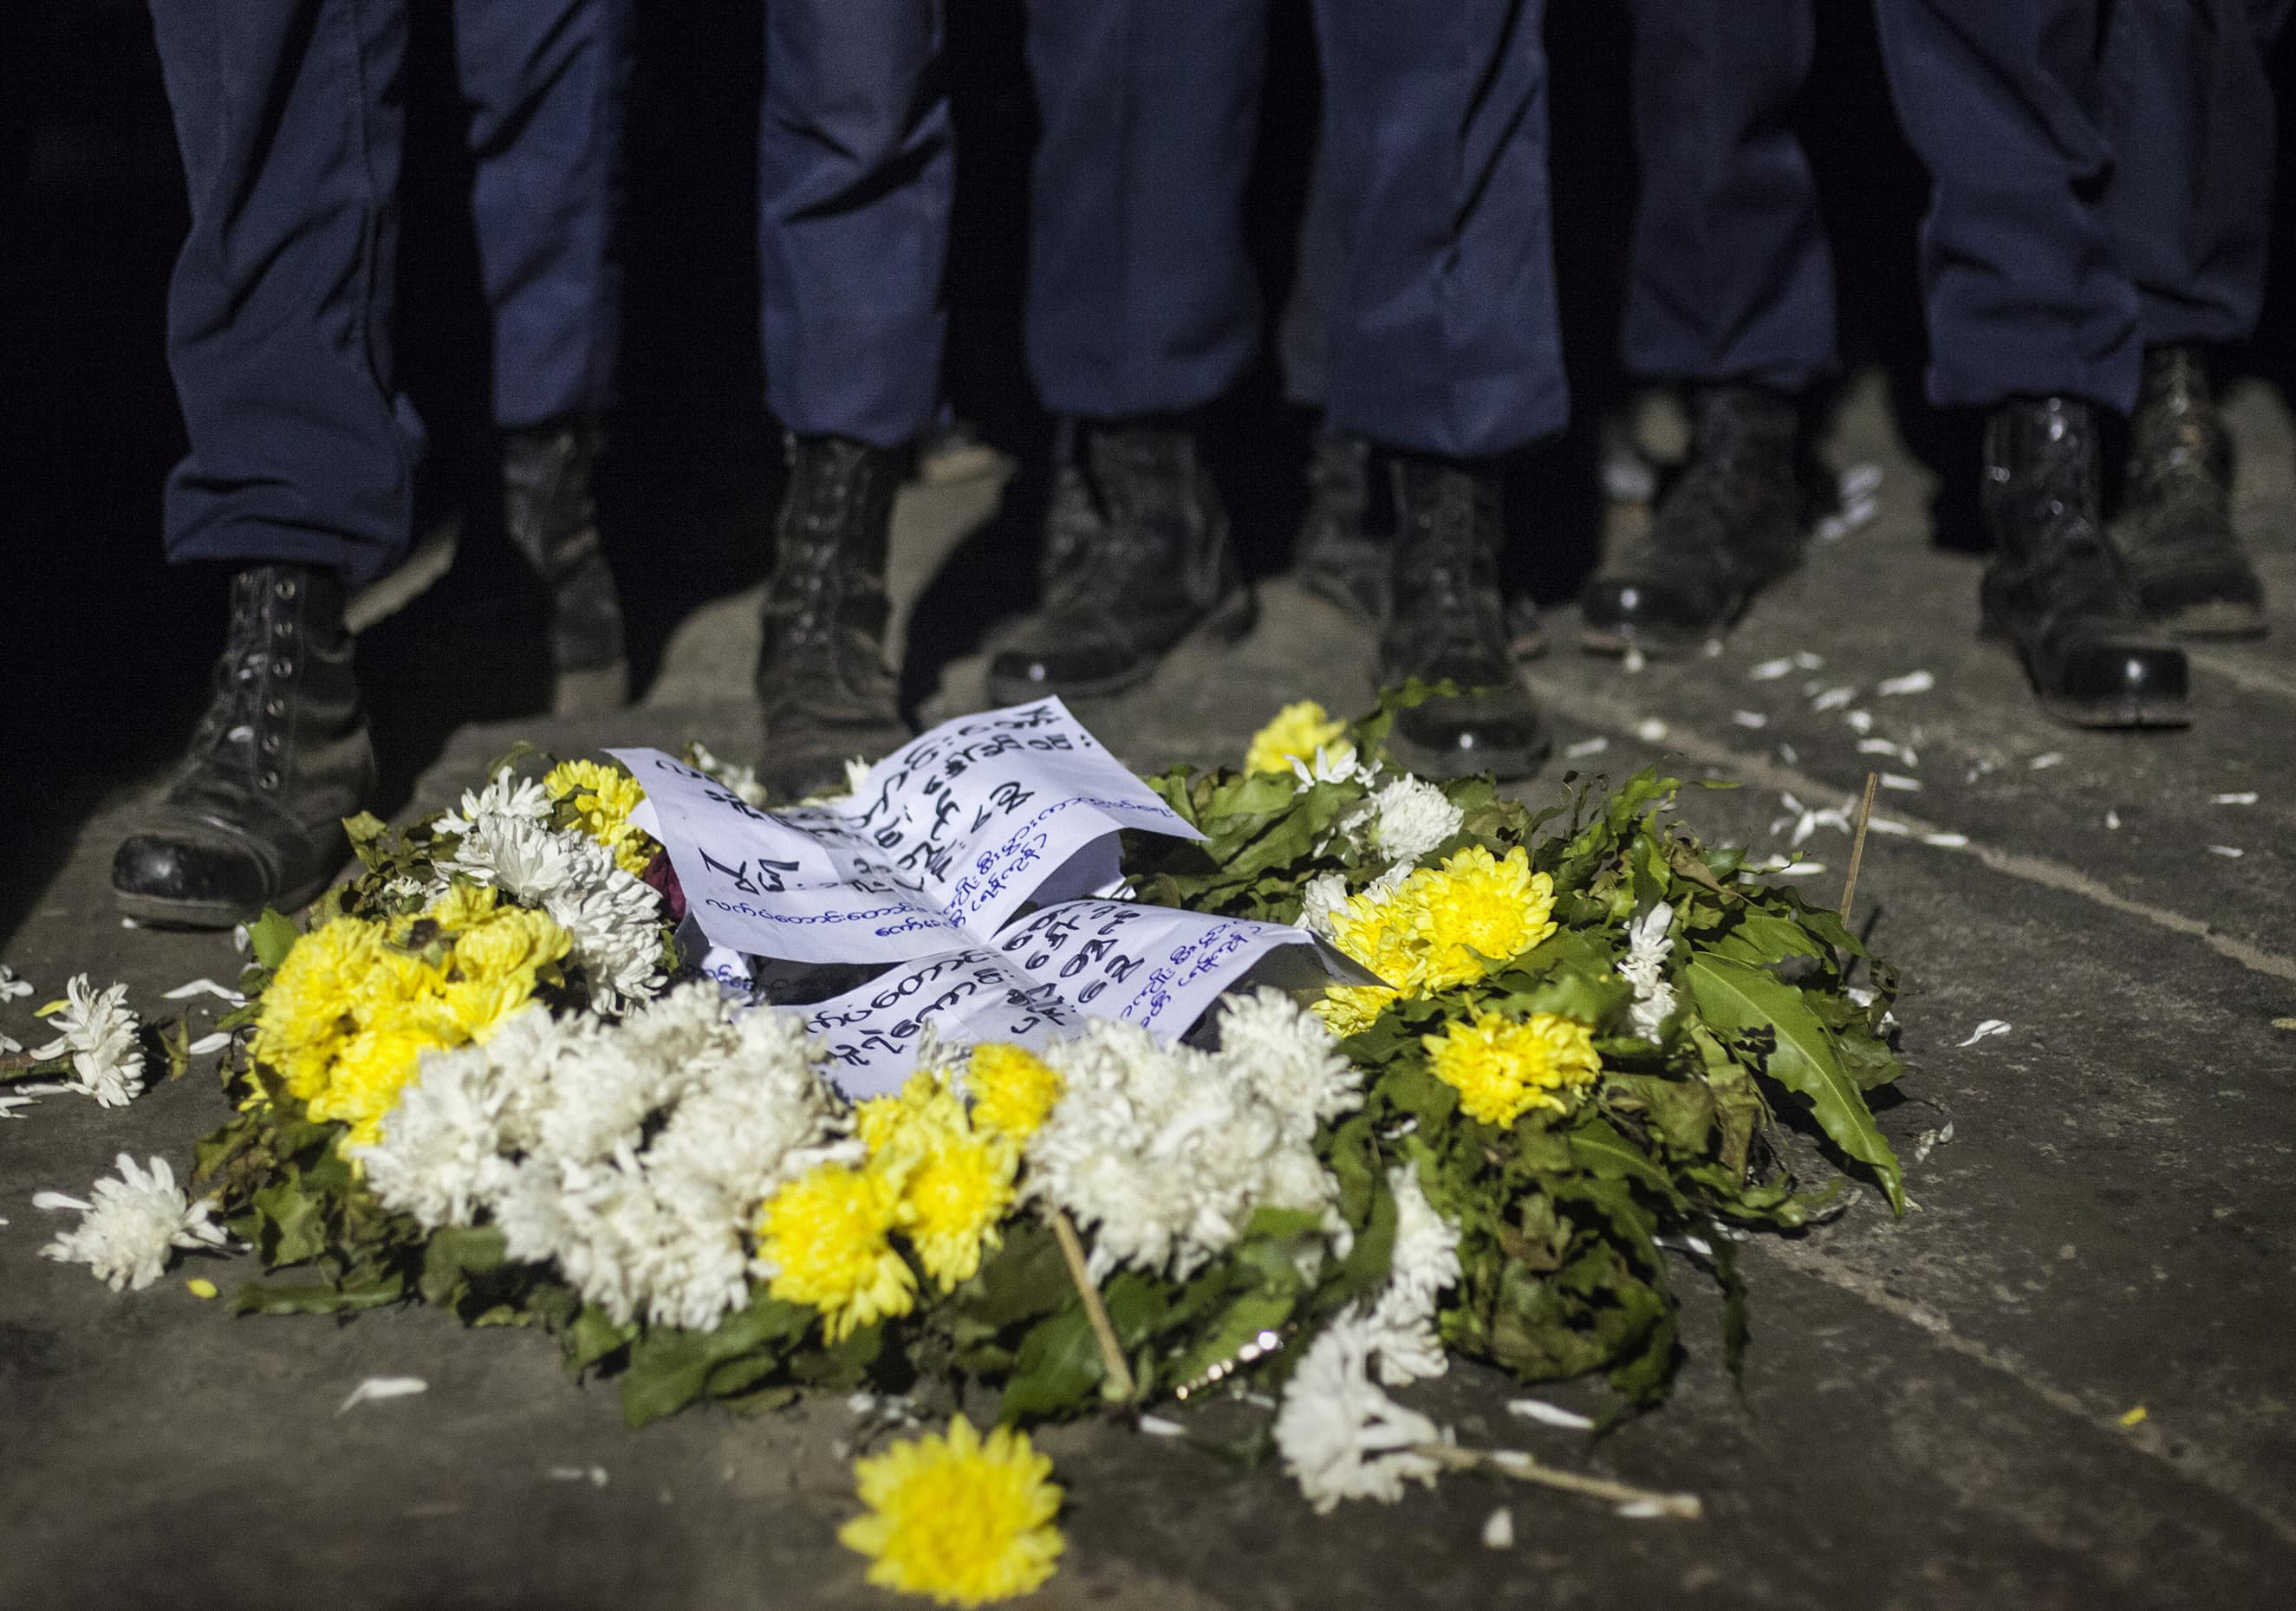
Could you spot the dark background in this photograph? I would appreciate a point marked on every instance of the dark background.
(105, 648)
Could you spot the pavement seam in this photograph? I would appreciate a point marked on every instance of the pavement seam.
(1595, 710)
(2243, 673)
(1838, 1272)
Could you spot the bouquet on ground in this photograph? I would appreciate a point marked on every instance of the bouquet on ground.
(493, 1075)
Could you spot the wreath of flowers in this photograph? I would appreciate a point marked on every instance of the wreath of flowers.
(483, 1079)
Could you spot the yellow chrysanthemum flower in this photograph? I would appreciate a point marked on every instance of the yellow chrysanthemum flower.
(963, 1519)
(1382, 932)
(1475, 905)
(511, 942)
(369, 1069)
(604, 797)
(1503, 1068)
(306, 1003)
(828, 1235)
(955, 1199)
(464, 905)
(1298, 729)
(1013, 1089)
(921, 1107)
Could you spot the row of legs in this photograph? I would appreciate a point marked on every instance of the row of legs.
(2099, 198)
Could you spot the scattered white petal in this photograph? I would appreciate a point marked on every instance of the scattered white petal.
(1584, 748)
(1913, 681)
(1499, 1529)
(595, 1476)
(1946, 1134)
(2246, 796)
(1641, 1510)
(2230, 851)
(45, 1087)
(1749, 718)
(205, 1044)
(1835, 698)
(130, 923)
(1634, 661)
(378, 1387)
(1808, 661)
(1879, 747)
(1770, 671)
(1989, 1026)
(1860, 720)
(1860, 480)
(185, 993)
(1649, 730)
(1549, 1415)
(1899, 781)
(1790, 755)
(1156, 1426)
(2041, 763)
(2112, 819)
(1800, 870)
(11, 987)
(1946, 841)
(239, 937)
(1889, 825)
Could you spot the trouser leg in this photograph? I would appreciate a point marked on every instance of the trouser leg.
(1307, 329)
(856, 173)
(2190, 200)
(546, 81)
(290, 119)
(1444, 336)
(2025, 288)
(1730, 277)
(1141, 298)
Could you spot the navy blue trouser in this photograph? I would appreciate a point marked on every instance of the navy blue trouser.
(290, 115)
(857, 171)
(2102, 182)
(1442, 335)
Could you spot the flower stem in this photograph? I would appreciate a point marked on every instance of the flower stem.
(1118, 1385)
(1511, 1462)
(1857, 847)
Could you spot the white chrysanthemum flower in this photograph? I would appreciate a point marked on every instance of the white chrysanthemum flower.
(440, 1155)
(1342, 1438)
(519, 855)
(1285, 1053)
(632, 1155)
(1166, 1151)
(99, 1036)
(1424, 1262)
(505, 796)
(1410, 818)
(133, 1226)
(11, 987)
(1334, 763)
(615, 922)
(1320, 899)
(1648, 943)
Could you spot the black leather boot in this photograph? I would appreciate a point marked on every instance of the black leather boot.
(1153, 572)
(1729, 526)
(822, 677)
(279, 760)
(2175, 534)
(553, 521)
(1447, 621)
(1336, 557)
(2054, 587)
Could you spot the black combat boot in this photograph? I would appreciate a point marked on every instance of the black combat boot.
(1153, 572)
(1336, 557)
(822, 677)
(1729, 526)
(279, 760)
(2175, 534)
(2054, 587)
(553, 521)
(1447, 621)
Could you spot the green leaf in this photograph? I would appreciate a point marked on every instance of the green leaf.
(1743, 999)
(270, 937)
(1058, 1369)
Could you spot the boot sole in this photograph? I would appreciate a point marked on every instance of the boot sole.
(2122, 715)
(1228, 622)
(157, 912)
(1505, 765)
(2219, 619)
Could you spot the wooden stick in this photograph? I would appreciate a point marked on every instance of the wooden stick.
(1857, 846)
(1511, 1462)
(1118, 1385)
